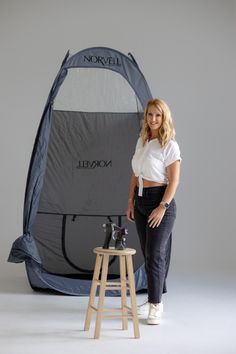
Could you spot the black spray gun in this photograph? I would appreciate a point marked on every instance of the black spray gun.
(117, 233)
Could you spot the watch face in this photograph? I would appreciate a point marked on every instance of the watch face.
(166, 205)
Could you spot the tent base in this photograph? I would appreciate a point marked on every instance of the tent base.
(40, 280)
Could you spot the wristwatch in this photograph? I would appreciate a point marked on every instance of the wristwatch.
(165, 204)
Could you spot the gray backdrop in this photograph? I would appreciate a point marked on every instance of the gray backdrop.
(186, 50)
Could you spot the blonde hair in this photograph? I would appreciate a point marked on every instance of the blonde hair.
(166, 132)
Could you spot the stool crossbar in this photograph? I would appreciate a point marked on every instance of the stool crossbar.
(126, 312)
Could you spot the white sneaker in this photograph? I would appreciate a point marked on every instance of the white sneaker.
(143, 309)
(154, 316)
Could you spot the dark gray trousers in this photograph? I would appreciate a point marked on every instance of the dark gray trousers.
(155, 242)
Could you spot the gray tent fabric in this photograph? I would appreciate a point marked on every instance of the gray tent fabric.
(79, 171)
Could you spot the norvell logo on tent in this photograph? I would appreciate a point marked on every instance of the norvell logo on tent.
(93, 164)
(102, 60)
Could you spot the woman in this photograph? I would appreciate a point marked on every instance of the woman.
(151, 204)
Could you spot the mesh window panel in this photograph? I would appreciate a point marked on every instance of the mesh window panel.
(96, 90)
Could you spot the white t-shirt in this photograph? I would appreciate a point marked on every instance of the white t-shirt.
(150, 161)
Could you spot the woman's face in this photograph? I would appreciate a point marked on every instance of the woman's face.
(154, 118)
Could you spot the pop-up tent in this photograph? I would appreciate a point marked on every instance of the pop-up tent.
(79, 172)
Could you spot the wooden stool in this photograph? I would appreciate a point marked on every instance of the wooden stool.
(102, 259)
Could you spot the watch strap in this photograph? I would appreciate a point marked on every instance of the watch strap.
(165, 204)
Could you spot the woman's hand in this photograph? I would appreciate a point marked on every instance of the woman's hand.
(156, 216)
(130, 211)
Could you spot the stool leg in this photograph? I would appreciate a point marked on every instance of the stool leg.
(132, 295)
(101, 295)
(93, 292)
(123, 292)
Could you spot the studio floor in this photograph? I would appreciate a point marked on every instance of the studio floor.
(199, 317)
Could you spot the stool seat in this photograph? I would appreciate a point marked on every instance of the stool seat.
(113, 252)
(126, 266)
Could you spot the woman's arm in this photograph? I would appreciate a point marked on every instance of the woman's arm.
(173, 174)
(130, 208)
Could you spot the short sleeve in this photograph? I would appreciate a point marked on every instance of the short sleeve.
(136, 157)
(139, 144)
(171, 153)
